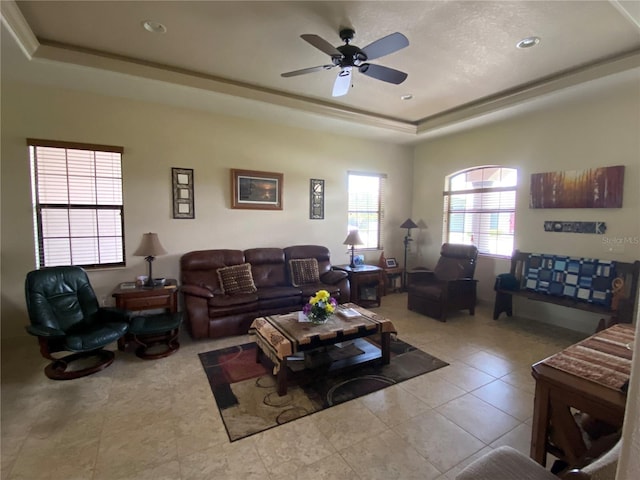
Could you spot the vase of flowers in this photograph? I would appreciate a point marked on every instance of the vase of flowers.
(320, 307)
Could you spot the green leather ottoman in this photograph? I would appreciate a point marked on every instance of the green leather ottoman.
(147, 331)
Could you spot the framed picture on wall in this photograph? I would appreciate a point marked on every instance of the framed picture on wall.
(316, 192)
(256, 190)
(590, 188)
(182, 183)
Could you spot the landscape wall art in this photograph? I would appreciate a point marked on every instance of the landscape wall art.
(591, 188)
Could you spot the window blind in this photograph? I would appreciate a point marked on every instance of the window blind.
(78, 208)
(479, 209)
(366, 207)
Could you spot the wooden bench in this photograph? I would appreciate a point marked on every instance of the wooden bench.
(620, 311)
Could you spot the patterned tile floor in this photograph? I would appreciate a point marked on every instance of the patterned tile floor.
(157, 420)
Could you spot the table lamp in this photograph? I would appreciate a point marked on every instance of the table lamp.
(353, 239)
(149, 248)
(408, 224)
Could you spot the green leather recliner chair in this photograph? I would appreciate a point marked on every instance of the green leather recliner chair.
(65, 316)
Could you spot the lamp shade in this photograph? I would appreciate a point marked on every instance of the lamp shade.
(408, 223)
(150, 246)
(353, 238)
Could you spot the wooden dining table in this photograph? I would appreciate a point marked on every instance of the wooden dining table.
(590, 377)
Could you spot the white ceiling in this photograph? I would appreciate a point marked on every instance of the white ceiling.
(461, 62)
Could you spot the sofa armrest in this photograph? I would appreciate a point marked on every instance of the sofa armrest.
(196, 291)
(333, 277)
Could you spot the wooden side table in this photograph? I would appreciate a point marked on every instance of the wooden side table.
(367, 283)
(392, 277)
(145, 298)
(147, 331)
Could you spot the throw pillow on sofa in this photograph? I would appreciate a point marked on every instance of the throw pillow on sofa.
(236, 279)
(304, 271)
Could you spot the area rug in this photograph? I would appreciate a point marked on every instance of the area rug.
(245, 391)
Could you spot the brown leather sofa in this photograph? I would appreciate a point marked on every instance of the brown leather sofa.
(211, 311)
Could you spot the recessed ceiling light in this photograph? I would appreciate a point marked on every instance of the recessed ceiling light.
(528, 42)
(154, 27)
(408, 96)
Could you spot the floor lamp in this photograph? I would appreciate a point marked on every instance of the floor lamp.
(408, 224)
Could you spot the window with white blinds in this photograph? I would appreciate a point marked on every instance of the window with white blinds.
(366, 207)
(77, 199)
(479, 209)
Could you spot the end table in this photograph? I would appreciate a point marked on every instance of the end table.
(145, 298)
(367, 282)
(393, 277)
(147, 331)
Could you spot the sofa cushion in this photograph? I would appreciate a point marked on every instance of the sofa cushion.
(304, 271)
(278, 292)
(233, 300)
(236, 279)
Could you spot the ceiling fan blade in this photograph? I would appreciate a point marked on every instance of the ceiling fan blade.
(307, 70)
(321, 44)
(385, 74)
(385, 45)
(342, 83)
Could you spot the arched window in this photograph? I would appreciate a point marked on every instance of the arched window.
(479, 209)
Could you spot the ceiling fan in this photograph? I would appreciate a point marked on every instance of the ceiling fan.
(348, 56)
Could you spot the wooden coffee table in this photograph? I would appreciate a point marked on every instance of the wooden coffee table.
(282, 336)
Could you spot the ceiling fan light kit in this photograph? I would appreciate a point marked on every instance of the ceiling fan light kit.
(348, 56)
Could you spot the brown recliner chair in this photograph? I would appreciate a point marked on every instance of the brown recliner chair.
(449, 287)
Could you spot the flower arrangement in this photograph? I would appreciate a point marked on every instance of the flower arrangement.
(320, 307)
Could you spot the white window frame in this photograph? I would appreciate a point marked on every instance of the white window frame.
(365, 210)
(482, 211)
(78, 206)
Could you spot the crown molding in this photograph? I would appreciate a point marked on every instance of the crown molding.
(36, 50)
(52, 51)
(20, 30)
(530, 91)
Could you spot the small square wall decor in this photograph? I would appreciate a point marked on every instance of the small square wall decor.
(183, 203)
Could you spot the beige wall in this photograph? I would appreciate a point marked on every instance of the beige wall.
(157, 138)
(595, 127)
(591, 128)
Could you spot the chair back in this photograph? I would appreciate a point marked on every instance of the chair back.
(605, 467)
(456, 261)
(60, 297)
